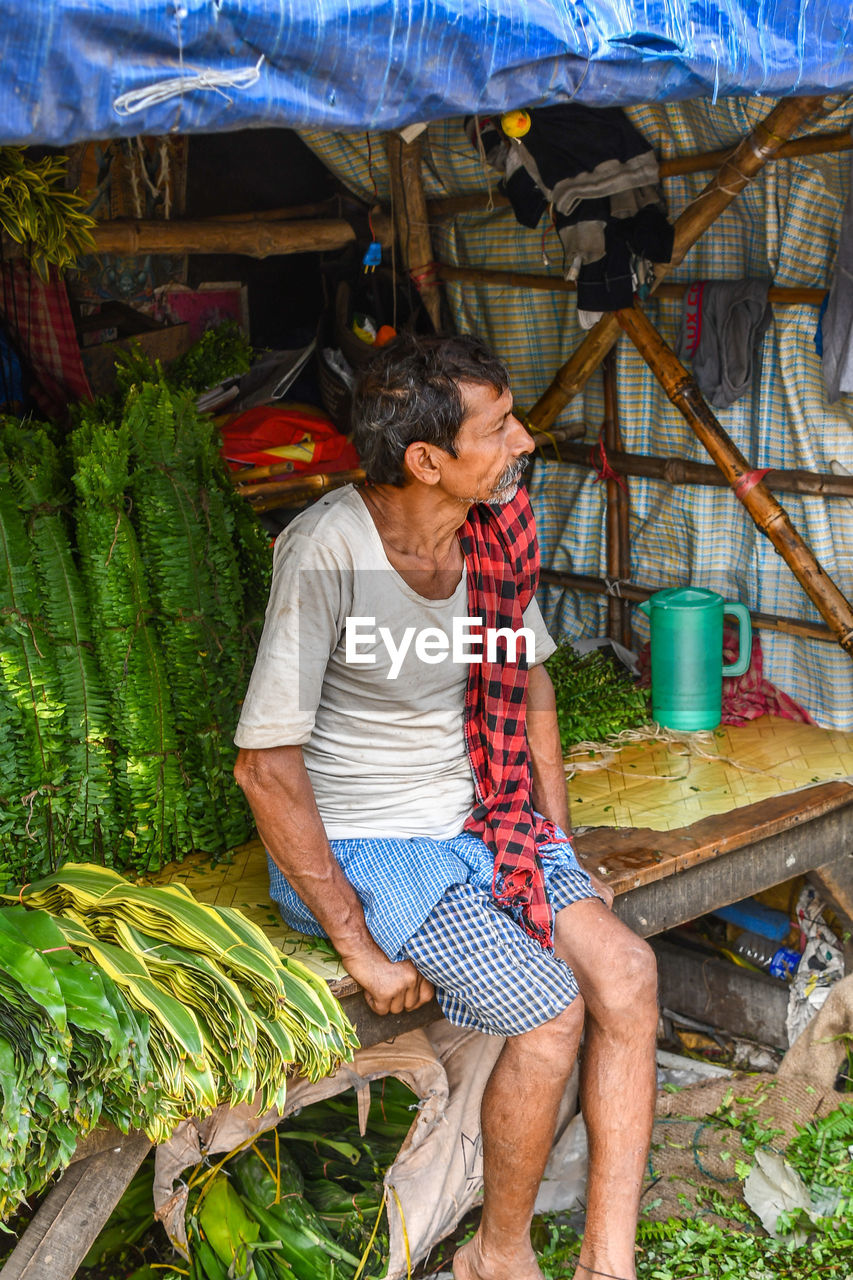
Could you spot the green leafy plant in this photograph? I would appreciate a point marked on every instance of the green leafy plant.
(596, 696)
(38, 213)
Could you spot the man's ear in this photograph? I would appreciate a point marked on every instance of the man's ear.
(423, 462)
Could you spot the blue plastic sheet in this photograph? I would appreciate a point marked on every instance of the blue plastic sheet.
(81, 69)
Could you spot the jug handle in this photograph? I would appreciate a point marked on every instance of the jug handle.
(645, 607)
(744, 657)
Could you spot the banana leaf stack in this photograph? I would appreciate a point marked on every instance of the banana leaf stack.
(129, 605)
(142, 1007)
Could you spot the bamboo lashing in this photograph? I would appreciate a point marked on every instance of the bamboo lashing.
(783, 296)
(411, 223)
(633, 591)
(678, 471)
(769, 515)
(747, 160)
(815, 145)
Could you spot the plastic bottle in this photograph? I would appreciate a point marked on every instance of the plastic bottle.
(765, 953)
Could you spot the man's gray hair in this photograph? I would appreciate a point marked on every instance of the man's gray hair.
(411, 391)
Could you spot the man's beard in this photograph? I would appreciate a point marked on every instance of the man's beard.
(506, 486)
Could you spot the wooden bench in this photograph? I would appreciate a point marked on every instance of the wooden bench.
(660, 878)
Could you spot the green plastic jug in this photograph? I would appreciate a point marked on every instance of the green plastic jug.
(687, 655)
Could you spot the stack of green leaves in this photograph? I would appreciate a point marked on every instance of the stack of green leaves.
(228, 1012)
(129, 606)
(72, 1052)
(143, 1007)
(596, 696)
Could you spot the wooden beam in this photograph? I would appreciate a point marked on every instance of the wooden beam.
(635, 592)
(254, 239)
(679, 471)
(747, 160)
(816, 144)
(704, 986)
(783, 296)
(411, 222)
(72, 1214)
(769, 515)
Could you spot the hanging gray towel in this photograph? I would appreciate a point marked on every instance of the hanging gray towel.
(722, 324)
(837, 323)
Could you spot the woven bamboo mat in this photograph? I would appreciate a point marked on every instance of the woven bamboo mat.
(666, 785)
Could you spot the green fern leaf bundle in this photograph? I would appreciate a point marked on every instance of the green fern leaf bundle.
(32, 806)
(149, 780)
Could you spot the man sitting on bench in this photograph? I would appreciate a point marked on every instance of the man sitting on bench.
(399, 749)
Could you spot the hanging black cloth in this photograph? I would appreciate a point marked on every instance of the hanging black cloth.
(600, 177)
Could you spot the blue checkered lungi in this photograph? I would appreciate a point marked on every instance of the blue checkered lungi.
(430, 901)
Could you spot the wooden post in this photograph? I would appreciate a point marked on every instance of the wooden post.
(748, 159)
(411, 224)
(618, 535)
(769, 515)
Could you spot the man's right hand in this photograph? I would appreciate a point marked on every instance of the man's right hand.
(388, 986)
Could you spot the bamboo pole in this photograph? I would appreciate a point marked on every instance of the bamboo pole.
(783, 296)
(411, 223)
(679, 471)
(618, 544)
(634, 592)
(747, 160)
(770, 517)
(299, 489)
(815, 145)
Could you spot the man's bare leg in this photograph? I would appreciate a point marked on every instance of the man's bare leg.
(616, 974)
(518, 1118)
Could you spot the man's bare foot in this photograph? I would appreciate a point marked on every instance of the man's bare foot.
(474, 1262)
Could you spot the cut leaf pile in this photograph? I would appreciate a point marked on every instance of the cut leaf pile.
(141, 1007)
(129, 599)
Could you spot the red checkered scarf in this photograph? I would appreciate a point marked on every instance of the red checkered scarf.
(502, 560)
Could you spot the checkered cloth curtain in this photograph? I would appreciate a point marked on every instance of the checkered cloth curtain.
(784, 227)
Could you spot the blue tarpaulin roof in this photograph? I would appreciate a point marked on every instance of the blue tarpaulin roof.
(79, 69)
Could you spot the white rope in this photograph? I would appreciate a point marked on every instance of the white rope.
(127, 104)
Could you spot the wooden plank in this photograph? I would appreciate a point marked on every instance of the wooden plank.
(74, 1212)
(731, 873)
(635, 856)
(713, 990)
(372, 1028)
